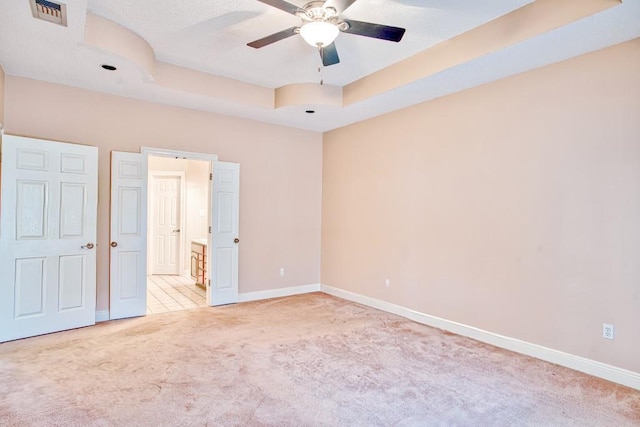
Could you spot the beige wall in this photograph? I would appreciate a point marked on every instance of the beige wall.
(1, 96)
(513, 207)
(280, 170)
(197, 189)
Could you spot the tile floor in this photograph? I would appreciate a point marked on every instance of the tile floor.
(173, 293)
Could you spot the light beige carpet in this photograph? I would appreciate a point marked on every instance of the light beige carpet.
(309, 360)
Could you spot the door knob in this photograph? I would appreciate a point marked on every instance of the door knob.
(176, 231)
(87, 246)
(114, 244)
(236, 240)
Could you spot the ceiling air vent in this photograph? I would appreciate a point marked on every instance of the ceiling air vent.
(49, 11)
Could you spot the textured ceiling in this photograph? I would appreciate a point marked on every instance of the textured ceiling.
(210, 37)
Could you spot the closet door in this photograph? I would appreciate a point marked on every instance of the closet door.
(47, 236)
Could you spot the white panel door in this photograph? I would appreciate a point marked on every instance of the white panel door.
(128, 258)
(47, 238)
(166, 225)
(223, 256)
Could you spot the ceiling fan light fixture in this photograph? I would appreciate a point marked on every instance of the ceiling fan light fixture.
(319, 33)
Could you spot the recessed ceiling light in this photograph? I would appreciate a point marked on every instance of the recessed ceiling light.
(310, 111)
(108, 67)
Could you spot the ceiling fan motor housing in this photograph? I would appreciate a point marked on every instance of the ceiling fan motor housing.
(321, 24)
(314, 11)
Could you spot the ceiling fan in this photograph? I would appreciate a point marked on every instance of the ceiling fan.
(321, 24)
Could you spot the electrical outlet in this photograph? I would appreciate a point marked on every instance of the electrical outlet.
(608, 331)
(281, 271)
(387, 282)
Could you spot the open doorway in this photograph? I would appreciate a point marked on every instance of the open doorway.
(128, 261)
(178, 212)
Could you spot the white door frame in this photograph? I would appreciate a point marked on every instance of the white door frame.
(182, 241)
(178, 154)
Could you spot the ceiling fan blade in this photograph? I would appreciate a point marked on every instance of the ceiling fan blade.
(257, 44)
(377, 31)
(339, 5)
(329, 55)
(283, 5)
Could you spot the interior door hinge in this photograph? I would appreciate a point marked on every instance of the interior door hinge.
(209, 282)
(209, 229)
(210, 176)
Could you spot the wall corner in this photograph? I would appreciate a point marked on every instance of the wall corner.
(1, 98)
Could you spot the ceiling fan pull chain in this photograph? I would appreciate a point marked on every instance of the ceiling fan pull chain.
(321, 66)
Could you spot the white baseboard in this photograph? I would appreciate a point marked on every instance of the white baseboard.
(578, 363)
(102, 316)
(276, 293)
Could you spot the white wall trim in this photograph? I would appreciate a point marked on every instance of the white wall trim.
(178, 154)
(280, 292)
(102, 316)
(578, 363)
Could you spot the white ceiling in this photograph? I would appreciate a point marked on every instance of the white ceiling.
(211, 36)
